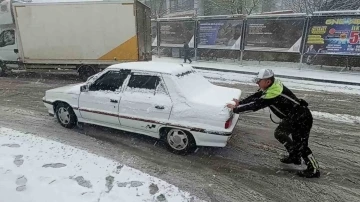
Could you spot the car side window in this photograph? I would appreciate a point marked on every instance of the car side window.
(143, 82)
(110, 81)
(161, 89)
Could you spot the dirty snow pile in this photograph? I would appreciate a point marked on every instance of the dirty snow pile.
(40, 170)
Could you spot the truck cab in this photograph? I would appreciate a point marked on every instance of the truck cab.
(8, 39)
(8, 44)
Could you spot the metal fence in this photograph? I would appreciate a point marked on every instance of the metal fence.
(322, 37)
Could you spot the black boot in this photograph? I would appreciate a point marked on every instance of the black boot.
(309, 173)
(293, 157)
(313, 169)
(290, 159)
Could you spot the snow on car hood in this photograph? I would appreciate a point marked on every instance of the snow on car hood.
(69, 89)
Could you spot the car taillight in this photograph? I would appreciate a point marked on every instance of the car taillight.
(228, 123)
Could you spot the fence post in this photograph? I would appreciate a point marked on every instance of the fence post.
(158, 37)
(304, 37)
(195, 36)
(242, 41)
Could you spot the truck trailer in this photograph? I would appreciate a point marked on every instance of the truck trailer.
(84, 36)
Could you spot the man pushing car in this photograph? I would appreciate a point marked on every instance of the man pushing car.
(296, 118)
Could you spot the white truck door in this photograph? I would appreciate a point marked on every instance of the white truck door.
(8, 44)
(101, 103)
(145, 103)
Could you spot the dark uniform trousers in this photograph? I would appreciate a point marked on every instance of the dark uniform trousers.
(299, 129)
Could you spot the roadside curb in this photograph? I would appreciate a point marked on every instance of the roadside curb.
(281, 76)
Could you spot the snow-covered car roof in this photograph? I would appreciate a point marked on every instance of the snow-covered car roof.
(158, 67)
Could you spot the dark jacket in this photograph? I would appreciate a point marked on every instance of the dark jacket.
(282, 102)
(186, 49)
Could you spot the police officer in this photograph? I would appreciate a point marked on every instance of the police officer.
(296, 118)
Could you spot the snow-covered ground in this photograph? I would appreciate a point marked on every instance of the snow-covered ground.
(234, 78)
(286, 69)
(339, 118)
(36, 169)
(237, 78)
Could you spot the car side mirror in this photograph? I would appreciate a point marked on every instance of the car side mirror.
(84, 88)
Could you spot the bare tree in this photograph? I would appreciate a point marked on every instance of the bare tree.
(251, 5)
(342, 5)
(159, 8)
(310, 6)
(215, 7)
(211, 7)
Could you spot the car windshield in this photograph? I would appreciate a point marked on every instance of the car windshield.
(192, 83)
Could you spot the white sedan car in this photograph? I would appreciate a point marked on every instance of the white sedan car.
(171, 102)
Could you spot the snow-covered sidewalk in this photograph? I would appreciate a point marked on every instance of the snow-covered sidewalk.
(36, 169)
(284, 70)
(234, 78)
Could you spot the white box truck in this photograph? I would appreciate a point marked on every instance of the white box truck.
(84, 36)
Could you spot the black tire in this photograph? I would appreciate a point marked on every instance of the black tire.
(86, 71)
(190, 141)
(65, 115)
(2, 69)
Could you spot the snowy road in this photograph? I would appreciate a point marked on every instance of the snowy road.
(248, 169)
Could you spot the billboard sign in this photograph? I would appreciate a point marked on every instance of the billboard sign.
(334, 35)
(220, 34)
(174, 34)
(274, 34)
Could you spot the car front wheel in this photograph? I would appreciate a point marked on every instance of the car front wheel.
(180, 141)
(65, 115)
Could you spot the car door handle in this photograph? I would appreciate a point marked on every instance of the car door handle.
(114, 101)
(159, 107)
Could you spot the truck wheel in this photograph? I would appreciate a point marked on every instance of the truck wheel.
(65, 115)
(179, 141)
(86, 71)
(2, 69)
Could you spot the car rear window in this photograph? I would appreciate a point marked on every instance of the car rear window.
(191, 83)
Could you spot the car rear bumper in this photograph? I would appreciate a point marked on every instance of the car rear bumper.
(215, 139)
(209, 140)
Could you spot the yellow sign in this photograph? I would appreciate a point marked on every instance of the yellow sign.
(315, 39)
(318, 29)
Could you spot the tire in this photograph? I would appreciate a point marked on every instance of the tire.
(2, 69)
(65, 115)
(86, 71)
(179, 141)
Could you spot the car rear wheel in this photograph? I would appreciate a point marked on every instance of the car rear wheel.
(65, 115)
(179, 141)
(2, 69)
